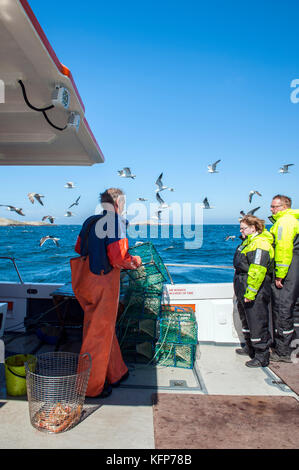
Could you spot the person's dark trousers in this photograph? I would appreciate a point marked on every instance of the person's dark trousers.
(296, 318)
(283, 309)
(254, 317)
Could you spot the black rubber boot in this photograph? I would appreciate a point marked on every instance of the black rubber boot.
(124, 377)
(244, 351)
(106, 392)
(255, 363)
(274, 357)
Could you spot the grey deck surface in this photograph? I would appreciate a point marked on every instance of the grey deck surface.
(125, 419)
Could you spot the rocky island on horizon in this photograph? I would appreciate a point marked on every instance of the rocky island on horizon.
(10, 222)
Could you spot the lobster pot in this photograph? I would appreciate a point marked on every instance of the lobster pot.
(152, 271)
(143, 303)
(138, 350)
(132, 328)
(146, 275)
(178, 329)
(56, 387)
(175, 355)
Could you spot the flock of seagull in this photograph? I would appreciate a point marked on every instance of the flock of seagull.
(126, 173)
(35, 196)
(212, 168)
(38, 197)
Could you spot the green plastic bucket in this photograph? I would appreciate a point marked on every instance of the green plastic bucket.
(15, 374)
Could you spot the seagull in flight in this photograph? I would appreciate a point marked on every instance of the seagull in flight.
(126, 173)
(36, 196)
(161, 186)
(230, 237)
(212, 168)
(285, 168)
(51, 219)
(68, 214)
(141, 199)
(13, 208)
(69, 185)
(158, 215)
(252, 193)
(250, 212)
(163, 204)
(76, 203)
(49, 237)
(206, 204)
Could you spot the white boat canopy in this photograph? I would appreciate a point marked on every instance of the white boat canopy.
(41, 112)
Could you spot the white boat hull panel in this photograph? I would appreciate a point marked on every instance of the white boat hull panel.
(213, 305)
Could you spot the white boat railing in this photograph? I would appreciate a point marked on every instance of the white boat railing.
(194, 266)
(15, 266)
(180, 265)
(200, 266)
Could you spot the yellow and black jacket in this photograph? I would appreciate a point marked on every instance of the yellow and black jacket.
(253, 259)
(286, 234)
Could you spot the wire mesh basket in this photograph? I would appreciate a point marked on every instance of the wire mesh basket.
(56, 387)
(152, 271)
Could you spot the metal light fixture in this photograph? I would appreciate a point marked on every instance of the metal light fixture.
(73, 121)
(61, 97)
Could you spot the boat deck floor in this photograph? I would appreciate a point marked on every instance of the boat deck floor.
(124, 420)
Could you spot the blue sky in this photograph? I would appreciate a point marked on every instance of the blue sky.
(171, 86)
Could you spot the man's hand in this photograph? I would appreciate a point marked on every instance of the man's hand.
(247, 300)
(137, 261)
(278, 282)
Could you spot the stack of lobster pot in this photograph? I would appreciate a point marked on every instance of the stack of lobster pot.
(176, 346)
(142, 289)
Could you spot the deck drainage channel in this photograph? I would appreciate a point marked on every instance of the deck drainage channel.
(162, 387)
(175, 385)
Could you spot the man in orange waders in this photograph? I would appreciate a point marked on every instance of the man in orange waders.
(103, 247)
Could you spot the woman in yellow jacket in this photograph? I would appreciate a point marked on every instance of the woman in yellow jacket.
(253, 263)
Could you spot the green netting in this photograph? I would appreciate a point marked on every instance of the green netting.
(132, 328)
(142, 303)
(138, 279)
(178, 328)
(142, 290)
(175, 355)
(124, 283)
(145, 276)
(138, 350)
(152, 271)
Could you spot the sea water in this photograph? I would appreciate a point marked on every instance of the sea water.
(51, 264)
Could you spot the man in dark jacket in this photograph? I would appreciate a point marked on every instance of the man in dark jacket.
(285, 289)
